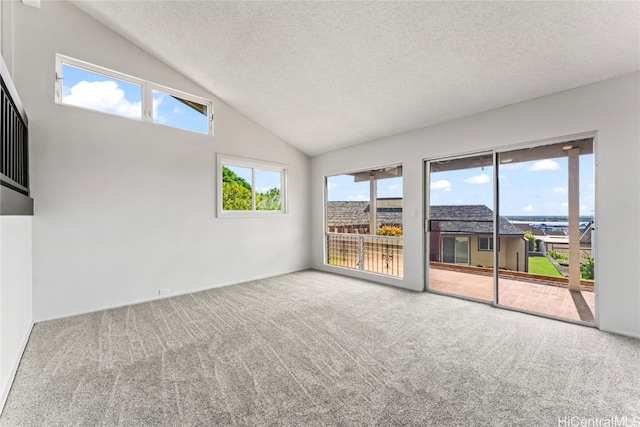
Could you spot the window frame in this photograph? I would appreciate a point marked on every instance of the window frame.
(229, 160)
(490, 243)
(146, 95)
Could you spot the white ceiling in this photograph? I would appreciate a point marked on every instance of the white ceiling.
(324, 75)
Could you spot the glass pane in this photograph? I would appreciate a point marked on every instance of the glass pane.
(449, 249)
(462, 250)
(347, 205)
(236, 188)
(174, 111)
(268, 190)
(366, 234)
(548, 193)
(460, 214)
(95, 91)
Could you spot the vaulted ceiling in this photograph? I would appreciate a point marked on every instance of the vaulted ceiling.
(324, 75)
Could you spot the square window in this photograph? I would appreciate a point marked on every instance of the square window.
(485, 243)
(250, 187)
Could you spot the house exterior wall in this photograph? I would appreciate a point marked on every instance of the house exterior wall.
(609, 108)
(125, 208)
(477, 258)
(512, 253)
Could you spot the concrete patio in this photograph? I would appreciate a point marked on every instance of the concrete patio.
(546, 299)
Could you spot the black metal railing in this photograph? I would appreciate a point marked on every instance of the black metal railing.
(14, 145)
(376, 254)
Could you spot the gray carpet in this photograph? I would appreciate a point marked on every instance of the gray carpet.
(312, 348)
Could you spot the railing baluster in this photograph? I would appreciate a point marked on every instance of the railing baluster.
(14, 140)
(376, 254)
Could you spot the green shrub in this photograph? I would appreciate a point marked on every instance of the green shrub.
(532, 240)
(558, 256)
(586, 269)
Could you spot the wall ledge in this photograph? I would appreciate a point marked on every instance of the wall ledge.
(14, 203)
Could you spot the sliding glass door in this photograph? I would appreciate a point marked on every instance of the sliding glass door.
(548, 193)
(515, 228)
(460, 226)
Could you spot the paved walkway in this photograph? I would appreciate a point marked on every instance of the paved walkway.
(545, 299)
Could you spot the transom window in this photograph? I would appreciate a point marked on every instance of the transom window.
(89, 86)
(248, 186)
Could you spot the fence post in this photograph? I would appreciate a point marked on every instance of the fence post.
(361, 252)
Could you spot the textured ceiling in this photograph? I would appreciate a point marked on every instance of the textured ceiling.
(324, 75)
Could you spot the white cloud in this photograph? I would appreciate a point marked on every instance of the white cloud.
(528, 208)
(459, 202)
(559, 190)
(564, 205)
(478, 179)
(502, 177)
(157, 117)
(357, 197)
(442, 184)
(544, 165)
(331, 186)
(103, 96)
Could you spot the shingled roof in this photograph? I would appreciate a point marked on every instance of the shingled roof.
(469, 219)
(461, 219)
(357, 213)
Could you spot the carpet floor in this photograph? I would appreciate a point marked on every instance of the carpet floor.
(313, 348)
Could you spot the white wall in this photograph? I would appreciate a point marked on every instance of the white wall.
(15, 296)
(125, 208)
(611, 108)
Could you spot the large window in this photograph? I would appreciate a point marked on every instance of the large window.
(364, 220)
(251, 186)
(96, 88)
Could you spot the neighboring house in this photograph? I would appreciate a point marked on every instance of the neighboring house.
(463, 234)
(354, 216)
(560, 242)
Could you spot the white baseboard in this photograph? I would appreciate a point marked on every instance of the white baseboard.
(14, 369)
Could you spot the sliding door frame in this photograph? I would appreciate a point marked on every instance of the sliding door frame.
(496, 232)
(427, 215)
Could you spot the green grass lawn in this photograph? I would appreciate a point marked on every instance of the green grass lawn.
(541, 265)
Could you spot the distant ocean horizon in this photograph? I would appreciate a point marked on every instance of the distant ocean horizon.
(545, 218)
(548, 222)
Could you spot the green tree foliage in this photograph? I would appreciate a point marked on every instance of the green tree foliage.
(269, 200)
(236, 194)
(230, 176)
(236, 191)
(532, 240)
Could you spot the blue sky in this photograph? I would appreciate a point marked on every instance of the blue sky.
(342, 187)
(98, 92)
(526, 189)
(265, 179)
